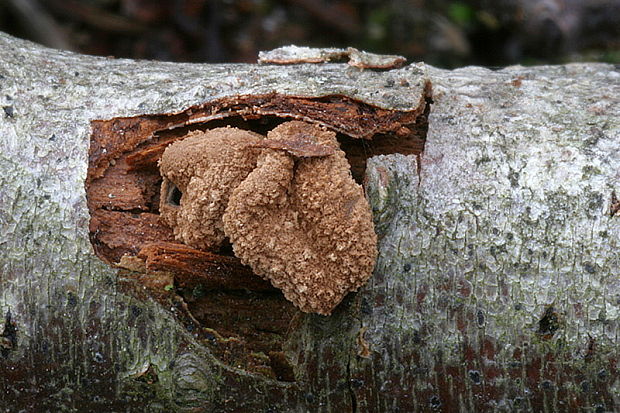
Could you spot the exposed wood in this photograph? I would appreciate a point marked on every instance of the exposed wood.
(199, 268)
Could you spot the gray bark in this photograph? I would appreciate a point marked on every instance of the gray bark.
(496, 288)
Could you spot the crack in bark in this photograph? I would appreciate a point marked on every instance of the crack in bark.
(8, 337)
(352, 394)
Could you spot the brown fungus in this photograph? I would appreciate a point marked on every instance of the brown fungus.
(199, 174)
(291, 209)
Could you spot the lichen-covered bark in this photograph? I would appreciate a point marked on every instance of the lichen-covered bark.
(496, 288)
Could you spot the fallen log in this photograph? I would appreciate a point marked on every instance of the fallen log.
(494, 196)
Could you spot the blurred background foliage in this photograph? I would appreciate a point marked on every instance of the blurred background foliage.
(444, 33)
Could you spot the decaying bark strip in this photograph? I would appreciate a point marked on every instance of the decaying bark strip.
(298, 55)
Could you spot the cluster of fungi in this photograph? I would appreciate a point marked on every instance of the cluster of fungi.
(287, 203)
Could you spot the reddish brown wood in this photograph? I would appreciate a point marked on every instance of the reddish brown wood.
(192, 267)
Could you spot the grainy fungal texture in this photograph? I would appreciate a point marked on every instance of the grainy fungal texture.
(304, 223)
(199, 174)
(288, 204)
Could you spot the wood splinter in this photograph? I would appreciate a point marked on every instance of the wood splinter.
(287, 203)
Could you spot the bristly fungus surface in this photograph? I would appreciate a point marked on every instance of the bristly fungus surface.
(287, 203)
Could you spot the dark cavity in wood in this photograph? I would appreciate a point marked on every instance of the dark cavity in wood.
(8, 337)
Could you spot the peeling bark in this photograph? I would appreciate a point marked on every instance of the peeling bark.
(496, 287)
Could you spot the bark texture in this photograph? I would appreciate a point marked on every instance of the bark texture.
(496, 289)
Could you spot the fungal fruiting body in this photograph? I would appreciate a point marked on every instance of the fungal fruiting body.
(199, 174)
(287, 203)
